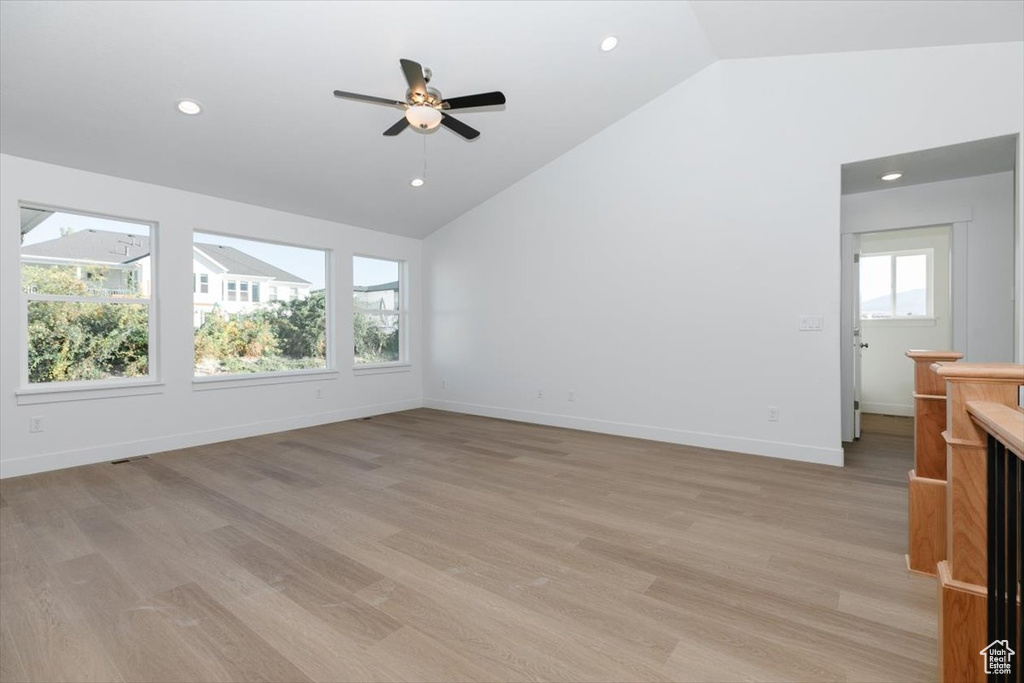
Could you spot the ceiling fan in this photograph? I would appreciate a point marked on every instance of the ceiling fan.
(424, 107)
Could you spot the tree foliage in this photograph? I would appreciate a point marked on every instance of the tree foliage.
(374, 343)
(70, 341)
(281, 335)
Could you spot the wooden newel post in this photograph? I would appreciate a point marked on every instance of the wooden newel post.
(963, 575)
(926, 490)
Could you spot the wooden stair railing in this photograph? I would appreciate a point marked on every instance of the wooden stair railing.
(963, 575)
(926, 489)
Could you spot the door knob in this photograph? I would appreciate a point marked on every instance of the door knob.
(863, 345)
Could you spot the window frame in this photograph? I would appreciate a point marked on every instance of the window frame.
(929, 254)
(46, 392)
(330, 369)
(402, 312)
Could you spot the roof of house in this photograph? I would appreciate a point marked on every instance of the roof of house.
(92, 246)
(106, 246)
(383, 287)
(239, 263)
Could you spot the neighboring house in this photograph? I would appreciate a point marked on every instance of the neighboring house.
(224, 279)
(231, 281)
(380, 297)
(109, 263)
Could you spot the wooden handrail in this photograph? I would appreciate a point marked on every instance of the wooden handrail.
(1004, 422)
(982, 400)
(997, 373)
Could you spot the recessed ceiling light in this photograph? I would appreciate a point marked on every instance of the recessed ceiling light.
(609, 43)
(417, 182)
(892, 176)
(190, 107)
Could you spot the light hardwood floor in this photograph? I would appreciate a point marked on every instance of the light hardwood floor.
(429, 546)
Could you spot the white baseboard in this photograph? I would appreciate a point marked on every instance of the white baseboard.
(887, 409)
(87, 456)
(771, 449)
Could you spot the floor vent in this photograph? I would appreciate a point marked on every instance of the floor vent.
(124, 460)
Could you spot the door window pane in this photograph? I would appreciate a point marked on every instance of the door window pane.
(876, 286)
(912, 285)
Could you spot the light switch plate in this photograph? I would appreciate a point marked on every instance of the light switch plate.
(812, 323)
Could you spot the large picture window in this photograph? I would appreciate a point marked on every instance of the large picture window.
(236, 330)
(87, 287)
(896, 285)
(379, 325)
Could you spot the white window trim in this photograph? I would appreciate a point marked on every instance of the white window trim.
(330, 371)
(403, 364)
(52, 392)
(214, 382)
(929, 254)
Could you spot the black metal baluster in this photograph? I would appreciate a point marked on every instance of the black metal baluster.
(1019, 666)
(992, 540)
(1012, 529)
(1000, 453)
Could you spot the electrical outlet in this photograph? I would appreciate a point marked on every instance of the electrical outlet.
(773, 414)
(35, 424)
(319, 393)
(540, 393)
(571, 398)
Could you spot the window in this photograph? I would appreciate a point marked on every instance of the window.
(896, 285)
(204, 284)
(242, 334)
(379, 324)
(87, 286)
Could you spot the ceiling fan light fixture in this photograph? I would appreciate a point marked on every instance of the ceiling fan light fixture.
(423, 117)
(895, 175)
(417, 182)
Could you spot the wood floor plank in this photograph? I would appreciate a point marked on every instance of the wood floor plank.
(51, 640)
(433, 546)
(131, 632)
(227, 643)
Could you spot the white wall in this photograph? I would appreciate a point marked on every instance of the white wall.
(80, 432)
(887, 375)
(723, 195)
(985, 205)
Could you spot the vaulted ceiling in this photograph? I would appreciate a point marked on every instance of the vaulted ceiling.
(94, 85)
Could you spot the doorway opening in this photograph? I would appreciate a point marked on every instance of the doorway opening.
(928, 262)
(903, 302)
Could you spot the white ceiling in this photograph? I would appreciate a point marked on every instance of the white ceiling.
(760, 28)
(93, 85)
(966, 160)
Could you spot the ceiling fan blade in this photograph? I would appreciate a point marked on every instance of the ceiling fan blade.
(402, 124)
(368, 98)
(485, 99)
(414, 75)
(459, 127)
